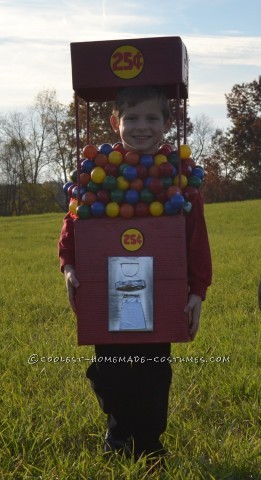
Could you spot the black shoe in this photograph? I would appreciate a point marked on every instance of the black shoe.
(117, 445)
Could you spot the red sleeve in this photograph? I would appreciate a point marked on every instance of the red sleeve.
(199, 264)
(66, 249)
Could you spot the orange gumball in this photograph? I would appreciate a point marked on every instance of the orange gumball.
(131, 158)
(126, 210)
(89, 151)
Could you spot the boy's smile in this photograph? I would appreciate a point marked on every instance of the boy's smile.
(142, 127)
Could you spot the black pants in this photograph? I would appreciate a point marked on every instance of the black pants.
(134, 394)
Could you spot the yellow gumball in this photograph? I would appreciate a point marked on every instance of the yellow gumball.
(159, 159)
(112, 209)
(122, 183)
(115, 157)
(185, 151)
(98, 175)
(73, 206)
(184, 181)
(156, 209)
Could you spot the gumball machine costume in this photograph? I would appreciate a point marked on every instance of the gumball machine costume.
(129, 209)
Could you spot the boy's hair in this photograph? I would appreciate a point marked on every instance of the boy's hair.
(131, 96)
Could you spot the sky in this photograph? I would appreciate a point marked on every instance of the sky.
(223, 40)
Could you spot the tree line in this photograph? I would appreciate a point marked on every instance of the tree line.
(38, 149)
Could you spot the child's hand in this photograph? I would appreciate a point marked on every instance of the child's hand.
(193, 308)
(71, 284)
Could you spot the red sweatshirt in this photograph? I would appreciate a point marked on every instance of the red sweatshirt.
(199, 264)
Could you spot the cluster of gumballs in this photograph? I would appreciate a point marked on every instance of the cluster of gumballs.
(115, 183)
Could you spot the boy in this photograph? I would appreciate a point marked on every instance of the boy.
(135, 396)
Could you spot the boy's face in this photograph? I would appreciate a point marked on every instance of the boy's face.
(141, 127)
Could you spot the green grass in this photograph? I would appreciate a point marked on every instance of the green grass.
(51, 425)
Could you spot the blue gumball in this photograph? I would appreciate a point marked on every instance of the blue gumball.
(97, 209)
(177, 201)
(130, 173)
(146, 161)
(87, 166)
(198, 172)
(169, 209)
(67, 186)
(131, 196)
(105, 149)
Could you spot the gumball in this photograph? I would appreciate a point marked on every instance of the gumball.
(73, 206)
(122, 167)
(67, 186)
(172, 190)
(97, 209)
(132, 158)
(93, 187)
(98, 175)
(154, 171)
(146, 196)
(183, 181)
(83, 211)
(103, 196)
(110, 182)
(115, 157)
(130, 173)
(190, 161)
(141, 209)
(185, 151)
(136, 184)
(118, 147)
(89, 198)
(126, 210)
(84, 178)
(190, 193)
(82, 191)
(173, 158)
(167, 182)
(73, 176)
(87, 166)
(156, 209)
(142, 172)
(177, 201)
(70, 189)
(165, 149)
(155, 185)
(117, 196)
(187, 207)
(122, 183)
(161, 197)
(100, 160)
(131, 196)
(198, 172)
(105, 148)
(194, 181)
(111, 169)
(146, 161)
(112, 209)
(186, 169)
(89, 151)
(169, 208)
(159, 159)
(166, 169)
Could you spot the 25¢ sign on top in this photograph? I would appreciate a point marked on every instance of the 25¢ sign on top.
(132, 239)
(127, 62)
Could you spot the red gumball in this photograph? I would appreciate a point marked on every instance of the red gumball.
(172, 191)
(131, 158)
(154, 171)
(101, 160)
(103, 196)
(186, 169)
(166, 169)
(90, 151)
(191, 162)
(84, 179)
(155, 185)
(137, 184)
(88, 198)
(142, 172)
(190, 193)
(142, 209)
(111, 169)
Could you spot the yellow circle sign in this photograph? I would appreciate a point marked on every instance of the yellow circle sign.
(127, 62)
(132, 239)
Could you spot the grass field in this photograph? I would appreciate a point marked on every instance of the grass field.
(51, 425)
